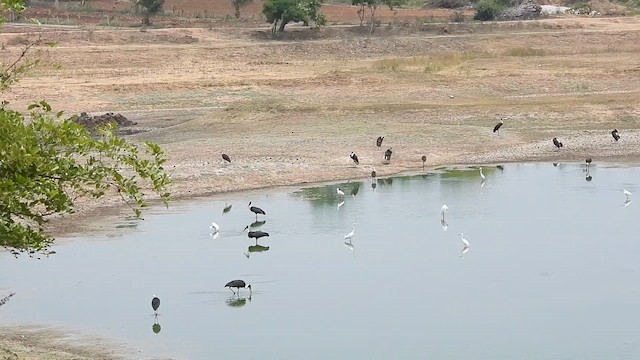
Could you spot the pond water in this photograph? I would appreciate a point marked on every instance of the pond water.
(551, 272)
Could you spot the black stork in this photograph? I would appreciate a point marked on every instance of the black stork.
(497, 127)
(354, 157)
(238, 284)
(387, 154)
(557, 143)
(379, 141)
(256, 210)
(615, 134)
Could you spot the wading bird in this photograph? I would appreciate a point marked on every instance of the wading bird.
(214, 228)
(482, 175)
(588, 161)
(257, 234)
(557, 143)
(226, 157)
(379, 141)
(227, 208)
(424, 160)
(155, 303)
(498, 125)
(443, 210)
(350, 235)
(615, 135)
(373, 173)
(626, 193)
(238, 284)
(340, 192)
(354, 157)
(256, 210)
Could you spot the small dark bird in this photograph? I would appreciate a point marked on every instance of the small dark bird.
(387, 154)
(588, 161)
(555, 164)
(379, 141)
(354, 157)
(238, 284)
(557, 143)
(615, 135)
(498, 125)
(155, 303)
(373, 173)
(226, 158)
(424, 160)
(256, 210)
(227, 208)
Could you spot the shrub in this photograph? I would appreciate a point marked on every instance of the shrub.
(449, 4)
(487, 10)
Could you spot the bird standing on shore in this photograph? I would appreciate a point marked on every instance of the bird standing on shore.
(226, 157)
(354, 157)
(557, 143)
(497, 127)
(424, 160)
(615, 135)
(387, 154)
(379, 141)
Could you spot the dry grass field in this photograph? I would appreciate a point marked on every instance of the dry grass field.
(290, 111)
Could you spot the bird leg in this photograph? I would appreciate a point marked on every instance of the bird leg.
(232, 290)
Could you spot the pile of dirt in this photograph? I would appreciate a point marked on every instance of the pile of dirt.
(92, 123)
(527, 10)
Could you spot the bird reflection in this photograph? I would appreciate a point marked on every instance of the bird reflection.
(626, 202)
(588, 177)
(355, 189)
(484, 181)
(256, 224)
(465, 248)
(500, 167)
(156, 325)
(257, 248)
(237, 301)
(555, 164)
(444, 224)
(349, 245)
(214, 235)
(373, 185)
(340, 204)
(247, 254)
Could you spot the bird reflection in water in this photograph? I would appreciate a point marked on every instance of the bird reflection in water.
(465, 243)
(340, 204)
(373, 185)
(444, 224)
(626, 202)
(256, 248)
(237, 301)
(156, 325)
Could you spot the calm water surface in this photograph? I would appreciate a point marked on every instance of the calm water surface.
(552, 272)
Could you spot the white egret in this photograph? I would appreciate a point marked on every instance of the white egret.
(214, 228)
(482, 175)
(626, 193)
(350, 235)
(340, 192)
(443, 210)
(465, 242)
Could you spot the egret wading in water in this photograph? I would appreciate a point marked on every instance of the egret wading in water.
(214, 228)
(256, 210)
(340, 192)
(482, 175)
(497, 127)
(238, 284)
(155, 303)
(350, 235)
(443, 210)
(627, 194)
(465, 248)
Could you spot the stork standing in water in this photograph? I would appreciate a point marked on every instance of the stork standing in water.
(155, 303)
(497, 127)
(615, 135)
(354, 157)
(588, 162)
(557, 143)
(340, 192)
(226, 157)
(379, 141)
(256, 210)
(238, 284)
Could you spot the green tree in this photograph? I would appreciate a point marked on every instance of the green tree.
(149, 8)
(238, 4)
(373, 5)
(281, 12)
(48, 162)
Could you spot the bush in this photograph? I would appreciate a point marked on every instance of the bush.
(448, 4)
(487, 10)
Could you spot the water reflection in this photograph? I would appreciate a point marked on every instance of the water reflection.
(227, 208)
(236, 301)
(444, 224)
(340, 204)
(257, 248)
(156, 325)
(355, 189)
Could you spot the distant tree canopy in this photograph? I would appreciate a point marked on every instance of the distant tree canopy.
(48, 162)
(373, 5)
(238, 4)
(282, 12)
(149, 8)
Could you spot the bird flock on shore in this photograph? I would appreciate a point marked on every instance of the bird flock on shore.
(257, 234)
